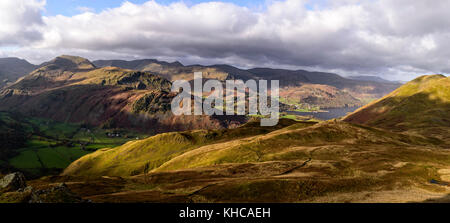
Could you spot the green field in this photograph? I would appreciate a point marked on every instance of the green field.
(302, 107)
(52, 146)
(44, 154)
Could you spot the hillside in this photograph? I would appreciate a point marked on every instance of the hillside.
(330, 161)
(364, 90)
(294, 162)
(71, 89)
(360, 89)
(133, 157)
(395, 159)
(317, 95)
(185, 150)
(421, 106)
(12, 69)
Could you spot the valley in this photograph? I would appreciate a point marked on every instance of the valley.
(104, 131)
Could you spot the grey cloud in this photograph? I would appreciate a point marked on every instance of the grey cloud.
(394, 39)
(20, 21)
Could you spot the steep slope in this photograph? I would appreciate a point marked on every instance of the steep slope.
(421, 105)
(12, 69)
(72, 89)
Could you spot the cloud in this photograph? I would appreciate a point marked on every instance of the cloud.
(20, 21)
(394, 39)
(84, 9)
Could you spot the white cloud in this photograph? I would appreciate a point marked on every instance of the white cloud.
(20, 21)
(394, 39)
(84, 9)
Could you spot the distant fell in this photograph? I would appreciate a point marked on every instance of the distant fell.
(365, 90)
(372, 78)
(12, 68)
(144, 64)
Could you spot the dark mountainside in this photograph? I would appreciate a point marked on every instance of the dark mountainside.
(12, 69)
(72, 89)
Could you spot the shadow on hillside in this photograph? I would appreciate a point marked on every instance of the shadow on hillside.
(444, 199)
(418, 111)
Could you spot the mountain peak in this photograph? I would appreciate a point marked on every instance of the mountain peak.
(67, 62)
(73, 62)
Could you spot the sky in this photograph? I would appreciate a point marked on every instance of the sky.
(74, 7)
(396, 40)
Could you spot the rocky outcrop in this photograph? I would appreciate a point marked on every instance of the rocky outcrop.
(57, 194)
(13, 182)
(13, 189)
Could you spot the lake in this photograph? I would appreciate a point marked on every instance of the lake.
(331, 113)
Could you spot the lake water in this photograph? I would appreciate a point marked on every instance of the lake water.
(331, 113)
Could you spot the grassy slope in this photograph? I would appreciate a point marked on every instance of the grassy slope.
(133, 157)
(329, 161)
(174, 151)
(422, 105)
(278, 145)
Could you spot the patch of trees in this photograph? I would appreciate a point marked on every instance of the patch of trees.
(12, 137)
(152, 103)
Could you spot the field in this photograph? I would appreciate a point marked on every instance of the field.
(51, 146)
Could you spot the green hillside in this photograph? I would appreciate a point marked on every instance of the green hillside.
(421, 105)
(137, 156)
(185, 150)
(330, 161)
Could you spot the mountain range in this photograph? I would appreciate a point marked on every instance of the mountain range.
(361, 89)
(136, 94)
(72, 89)
(371, 78)
(105, 130)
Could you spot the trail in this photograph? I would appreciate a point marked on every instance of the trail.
(296, 167)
